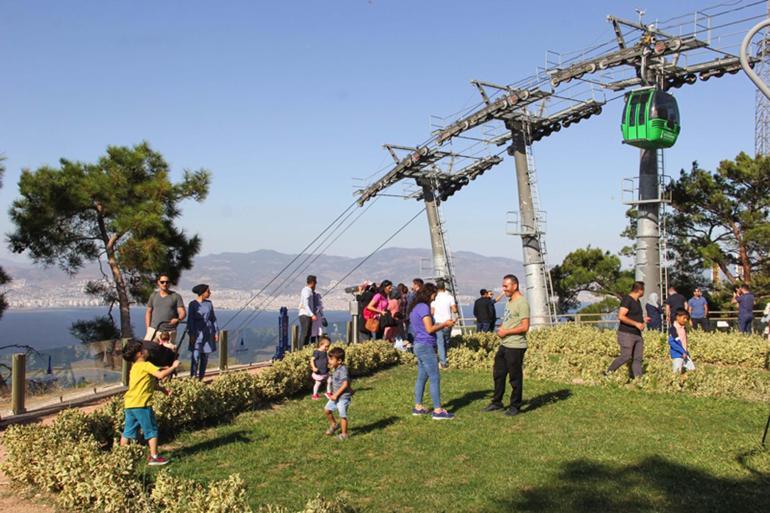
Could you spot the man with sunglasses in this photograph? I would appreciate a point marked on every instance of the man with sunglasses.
(165, 310)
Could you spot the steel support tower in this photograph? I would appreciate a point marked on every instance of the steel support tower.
(666, 55)
(532, 251)
(437, 242)
(647, 264)
(761, 102)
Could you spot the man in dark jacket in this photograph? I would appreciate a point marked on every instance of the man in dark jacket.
(483, 310)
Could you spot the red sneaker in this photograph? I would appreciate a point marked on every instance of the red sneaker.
(315, 397)
(155, 461)
(329, 395)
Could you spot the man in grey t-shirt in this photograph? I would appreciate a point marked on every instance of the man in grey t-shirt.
(164, 306)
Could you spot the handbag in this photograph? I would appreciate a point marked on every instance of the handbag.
(372, 325)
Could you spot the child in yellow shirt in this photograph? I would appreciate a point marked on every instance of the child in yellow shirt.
(143, 380)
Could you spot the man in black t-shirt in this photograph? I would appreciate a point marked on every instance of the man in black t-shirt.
(631, 322)
(674, 302)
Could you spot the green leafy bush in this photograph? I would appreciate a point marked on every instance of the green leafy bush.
(728, 364)
(174, 495)
(727, 349)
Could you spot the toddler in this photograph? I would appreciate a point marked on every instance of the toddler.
(319, 363)
(677, 342)
(341, 393)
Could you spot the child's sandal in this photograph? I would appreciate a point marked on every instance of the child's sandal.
(332, 430)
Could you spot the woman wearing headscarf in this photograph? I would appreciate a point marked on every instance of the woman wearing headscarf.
(203, 330)
(654, 312)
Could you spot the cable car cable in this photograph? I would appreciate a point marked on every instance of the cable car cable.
(352, 205)
(298, 271)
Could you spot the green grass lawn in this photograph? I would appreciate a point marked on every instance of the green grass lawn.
(573, 449)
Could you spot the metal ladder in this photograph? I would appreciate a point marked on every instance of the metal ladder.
(450, 267)
(662, 227)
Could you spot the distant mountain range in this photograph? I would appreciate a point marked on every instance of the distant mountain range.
(244, 271)
(235, 276)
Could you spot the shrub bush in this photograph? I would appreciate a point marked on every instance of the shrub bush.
(729, 364)
(75, 457)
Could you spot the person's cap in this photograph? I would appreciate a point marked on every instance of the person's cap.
(200, 289)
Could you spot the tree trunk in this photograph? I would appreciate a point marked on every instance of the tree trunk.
(743, 255)
(126, 331)
(726, 271)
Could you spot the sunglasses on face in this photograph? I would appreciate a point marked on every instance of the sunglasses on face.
(163, 282)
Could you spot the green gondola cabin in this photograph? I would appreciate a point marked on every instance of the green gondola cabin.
(650, 119)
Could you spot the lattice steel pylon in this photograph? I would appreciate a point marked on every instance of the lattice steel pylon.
(761, 102)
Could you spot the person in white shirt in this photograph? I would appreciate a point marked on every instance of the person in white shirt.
(320, 323)
(443, 309)
(307, 311)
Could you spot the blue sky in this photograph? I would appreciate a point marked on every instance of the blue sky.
(286, 101)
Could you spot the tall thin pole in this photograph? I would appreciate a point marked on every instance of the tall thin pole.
(762, 103)
(534, 263)
(647, 229)
(438, 248)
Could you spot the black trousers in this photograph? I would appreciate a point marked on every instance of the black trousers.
(701, 323)
(305, 326)
(508, 362)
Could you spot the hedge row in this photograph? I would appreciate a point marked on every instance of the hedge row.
(728, 365)
(77, 459)
(727, 349)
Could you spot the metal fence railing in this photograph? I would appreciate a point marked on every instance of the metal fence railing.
(33, 380)
(722, 320)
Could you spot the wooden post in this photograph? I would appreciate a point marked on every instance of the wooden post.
(18, 383)
(126, 367)
(294, 337)
(223, 349)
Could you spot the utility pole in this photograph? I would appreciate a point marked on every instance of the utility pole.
(534, 263)
(761, 102)
(437, 243)
(647, 227)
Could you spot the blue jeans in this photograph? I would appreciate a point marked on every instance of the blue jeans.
(427, 369)
(341, 406)
(744, 323)
(200, 360)
(484, 327)
(442, 339)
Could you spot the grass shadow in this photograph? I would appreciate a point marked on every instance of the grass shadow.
(654, 484)
(466, 399)
(546, 399)
(237, 437)
(375, 426)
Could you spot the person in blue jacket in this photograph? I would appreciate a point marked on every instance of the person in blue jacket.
(654, 312)
(203, 330)
(677, 342)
